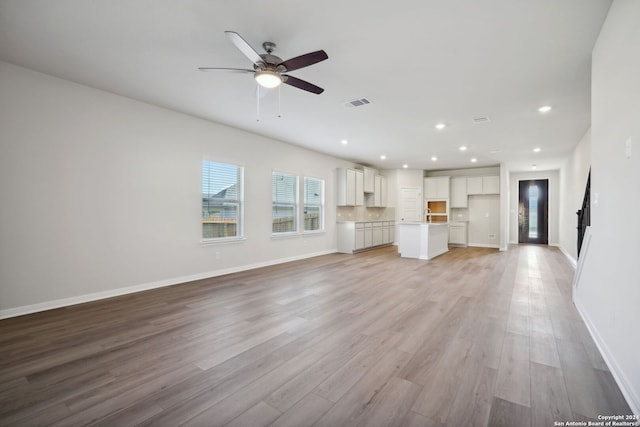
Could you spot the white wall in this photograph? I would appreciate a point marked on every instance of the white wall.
(484, 220)
(554, 200)
(573, 181)
(608, 294)
(505, 194)
(101, 194)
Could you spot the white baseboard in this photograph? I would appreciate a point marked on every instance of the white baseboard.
(484, 245)
(632, 398)
(571, 259)
(65, 302)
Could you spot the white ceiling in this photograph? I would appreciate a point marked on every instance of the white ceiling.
(420, 61)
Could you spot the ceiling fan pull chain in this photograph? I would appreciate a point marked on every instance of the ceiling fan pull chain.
(257, 103)
(279, 89)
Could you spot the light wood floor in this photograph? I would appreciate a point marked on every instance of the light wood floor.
(474, 337)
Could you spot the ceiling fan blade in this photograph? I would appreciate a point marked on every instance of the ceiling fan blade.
(304, 60)
(244, 47)
(301, 84)
(235, 70)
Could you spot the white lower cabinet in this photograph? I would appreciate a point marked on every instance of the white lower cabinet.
(355, 236)
(458, 233)
(359, 244)
(385, 232)
(377, 233)
(368, 235)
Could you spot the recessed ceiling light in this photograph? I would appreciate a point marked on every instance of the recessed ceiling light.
(463, 148)
(434, 159)
(383, 157)
(536, 150)
(545, 109)
(344, 142)
(473, 160)
(405, 166)
(440, 126)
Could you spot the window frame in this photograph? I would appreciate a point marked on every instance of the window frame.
(320, 205)
(295, 205)
(239, 202)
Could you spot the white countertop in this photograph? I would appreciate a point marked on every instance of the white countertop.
(365, 220)
(422, 223)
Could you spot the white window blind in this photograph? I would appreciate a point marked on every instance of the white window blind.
(284, 190)
(313, 204)
(222, 200)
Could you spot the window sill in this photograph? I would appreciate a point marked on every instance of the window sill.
(285, 235)
(222, 241)
(314, 233)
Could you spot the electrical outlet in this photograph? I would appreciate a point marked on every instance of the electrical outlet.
(492, 237)
(217, 255)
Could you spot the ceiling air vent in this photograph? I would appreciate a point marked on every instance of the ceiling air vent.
(358, 102)
(481, 119)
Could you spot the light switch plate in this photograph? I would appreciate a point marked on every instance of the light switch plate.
(628, 146)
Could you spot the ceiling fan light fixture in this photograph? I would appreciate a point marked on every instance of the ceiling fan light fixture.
(268, 79)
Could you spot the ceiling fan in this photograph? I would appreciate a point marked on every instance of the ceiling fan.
(268, 69)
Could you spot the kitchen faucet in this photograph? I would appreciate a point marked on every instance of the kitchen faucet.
(427, 213)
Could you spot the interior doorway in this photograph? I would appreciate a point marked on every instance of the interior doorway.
(533, 211)
(410, 204)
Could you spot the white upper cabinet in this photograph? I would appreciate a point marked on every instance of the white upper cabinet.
(359, 188)
(474, 185)
(369, 179)
(491, 184)
(436, 187)
(350, 187)
(459, 197)
(379, 197)
(483, 185)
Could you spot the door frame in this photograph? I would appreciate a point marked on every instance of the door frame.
(543, 238)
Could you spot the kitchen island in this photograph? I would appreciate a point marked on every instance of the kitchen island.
(422, 240)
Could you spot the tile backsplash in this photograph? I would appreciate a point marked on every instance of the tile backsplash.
(363, 213)
(459, 214)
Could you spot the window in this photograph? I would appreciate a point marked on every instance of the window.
(313, 204)
(284, 190)
(222, 203)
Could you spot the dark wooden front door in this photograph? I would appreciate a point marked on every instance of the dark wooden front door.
(533, 211)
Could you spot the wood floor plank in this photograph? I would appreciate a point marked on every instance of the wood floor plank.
(549, 399)
(472, 403)
(440, 390)
(586, 395)
(416, 420)
(514, 381)
(338, 383)
(351, 406)
(261, 415)
(131, 416)
(473, 337)
(544, 350)
(189, 402)
(392, 404)
(305, 412)
(235, 404)
(509, 414)
(287, 395)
